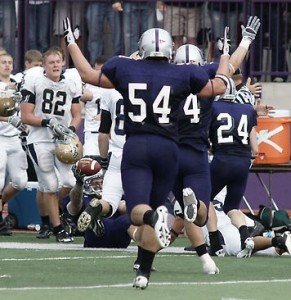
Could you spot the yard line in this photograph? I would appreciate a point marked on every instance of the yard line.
(237, 282)
(81, 257)
(58, 246)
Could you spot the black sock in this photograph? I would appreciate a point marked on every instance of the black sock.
(201, 250)
(244, 234)
(57, 229)
(138, 259)
(214, 240)
(146, 260)
(45, 220)
(148, 218)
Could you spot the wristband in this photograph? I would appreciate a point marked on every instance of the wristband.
(45, 122)
(245, 43)
(223, 78)
(73, 128)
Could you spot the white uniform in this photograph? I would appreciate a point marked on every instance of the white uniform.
(51, 100)
(92, 119)
(112, 185)
(13, 160)
(229, 232)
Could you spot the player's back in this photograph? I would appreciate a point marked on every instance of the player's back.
(230, 127)
(113, 103)
(151, 104)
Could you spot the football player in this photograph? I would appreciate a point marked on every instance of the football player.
(193, 123)
(50, 99)
(111, 140)
(233, 137)
(13, 162)
(151, 89)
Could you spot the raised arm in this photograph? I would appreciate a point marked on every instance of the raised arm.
(217, 86)
(87, 73)
(248, 35)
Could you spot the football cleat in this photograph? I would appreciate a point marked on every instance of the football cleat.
(136, 266)
(162, 231)
(258, 229)
(98, 227)
(64, 237)
(4, 229)
(286, 240)
(87, 217)
(219, 252)
(190, 205)
(44, 233)
(247, 251)
(141, 280)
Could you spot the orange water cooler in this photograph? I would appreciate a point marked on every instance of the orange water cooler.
(273, 135)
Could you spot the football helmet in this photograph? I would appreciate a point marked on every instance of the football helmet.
(156, 42)
(8, 104)
(68, 149)
(189, 54)
(93, 185)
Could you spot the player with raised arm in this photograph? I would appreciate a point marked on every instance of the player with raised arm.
(152, 89)
(193, 123)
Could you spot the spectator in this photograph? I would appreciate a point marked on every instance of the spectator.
(271, 38)
(39, 24)
(8, 25)
(63, 9)
(32, 58)
(224, 14)
(96, 15)
(183, 21)
(137, 18)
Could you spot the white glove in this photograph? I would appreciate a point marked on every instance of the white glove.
(59, 130)
(16, 122)
(226, 41)
(17, 97)
(223, 44)
(250, 31)
(68, 33)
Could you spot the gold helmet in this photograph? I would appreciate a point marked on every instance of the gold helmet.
(7, 103)
(68, 149)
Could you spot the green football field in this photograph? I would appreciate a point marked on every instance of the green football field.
(33, 269)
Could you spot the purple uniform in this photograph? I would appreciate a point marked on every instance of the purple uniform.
(193, 124)
(115, 236)
(229, 134)
(150, 155)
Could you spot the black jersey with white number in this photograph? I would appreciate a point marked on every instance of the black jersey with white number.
(230, 128)
(195, 116)
(151, 104)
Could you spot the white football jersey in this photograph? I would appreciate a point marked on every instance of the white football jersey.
(52, 100)
(114, 104)
(92, 108)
